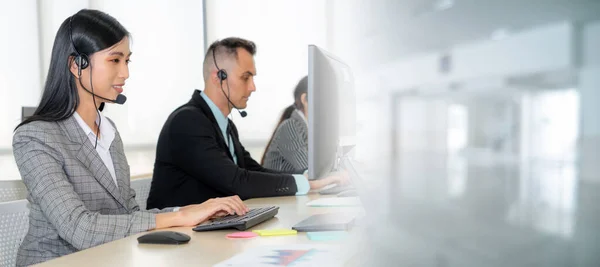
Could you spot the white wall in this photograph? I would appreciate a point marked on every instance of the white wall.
(51, 14)
(166, 64)
(20, 65)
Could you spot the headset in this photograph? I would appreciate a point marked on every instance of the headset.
(82, 61)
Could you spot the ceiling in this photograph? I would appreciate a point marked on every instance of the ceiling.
(393, 29)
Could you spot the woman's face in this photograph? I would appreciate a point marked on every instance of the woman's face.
(109, 69)
(304, 100)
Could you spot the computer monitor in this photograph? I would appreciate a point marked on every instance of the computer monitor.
(331, 111)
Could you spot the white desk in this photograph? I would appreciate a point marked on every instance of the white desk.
(209, 248)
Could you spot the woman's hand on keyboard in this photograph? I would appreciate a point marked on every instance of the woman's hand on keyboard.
(214, 207)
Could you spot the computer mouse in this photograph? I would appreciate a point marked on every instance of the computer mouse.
(348, 193)
(164, 237)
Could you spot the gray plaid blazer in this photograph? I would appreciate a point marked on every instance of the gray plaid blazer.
(74, 202)
(288, 151)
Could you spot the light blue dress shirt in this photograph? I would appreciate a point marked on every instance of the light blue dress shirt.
(301, 181)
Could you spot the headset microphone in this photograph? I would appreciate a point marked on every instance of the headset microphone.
(120, 98)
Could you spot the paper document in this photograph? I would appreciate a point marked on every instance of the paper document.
(298, 255)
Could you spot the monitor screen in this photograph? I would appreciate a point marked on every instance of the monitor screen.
(331, 111)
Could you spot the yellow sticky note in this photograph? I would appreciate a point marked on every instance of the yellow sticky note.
(275, 232)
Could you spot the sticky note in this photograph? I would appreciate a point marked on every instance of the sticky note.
(275, 232)
(242, 235)
(326, 235)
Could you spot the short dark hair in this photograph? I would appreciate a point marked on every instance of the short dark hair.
(227, 47)
(230, 46)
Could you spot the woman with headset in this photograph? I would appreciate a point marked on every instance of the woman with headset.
(287, 151)
(71, 157)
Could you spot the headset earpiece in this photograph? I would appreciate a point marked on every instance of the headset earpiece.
(82, 62)
(222, 75)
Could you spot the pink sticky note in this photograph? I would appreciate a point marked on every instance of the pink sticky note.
(242, 235)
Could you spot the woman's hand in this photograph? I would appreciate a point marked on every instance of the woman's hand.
(192, 215)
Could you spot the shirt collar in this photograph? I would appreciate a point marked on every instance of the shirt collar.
(221, 119)
(301, 114)
(107, 131)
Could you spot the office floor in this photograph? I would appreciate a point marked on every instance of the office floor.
(460, 211)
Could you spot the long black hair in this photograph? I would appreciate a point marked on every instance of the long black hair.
(86, 32)
(301, 88)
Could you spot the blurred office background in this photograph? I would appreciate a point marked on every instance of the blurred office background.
(493, 130)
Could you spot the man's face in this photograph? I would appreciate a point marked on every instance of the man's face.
(240, 78)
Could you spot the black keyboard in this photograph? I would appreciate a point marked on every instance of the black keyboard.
(252, 218)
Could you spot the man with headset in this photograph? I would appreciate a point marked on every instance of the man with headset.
(199, 155)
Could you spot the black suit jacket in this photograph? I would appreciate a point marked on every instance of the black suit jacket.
(193, 163)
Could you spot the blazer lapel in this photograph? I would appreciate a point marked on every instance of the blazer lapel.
(221, 139)
(121, 166)
(87, 155)
(198, 102)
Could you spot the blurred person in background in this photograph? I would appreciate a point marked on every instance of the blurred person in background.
(287, 150)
